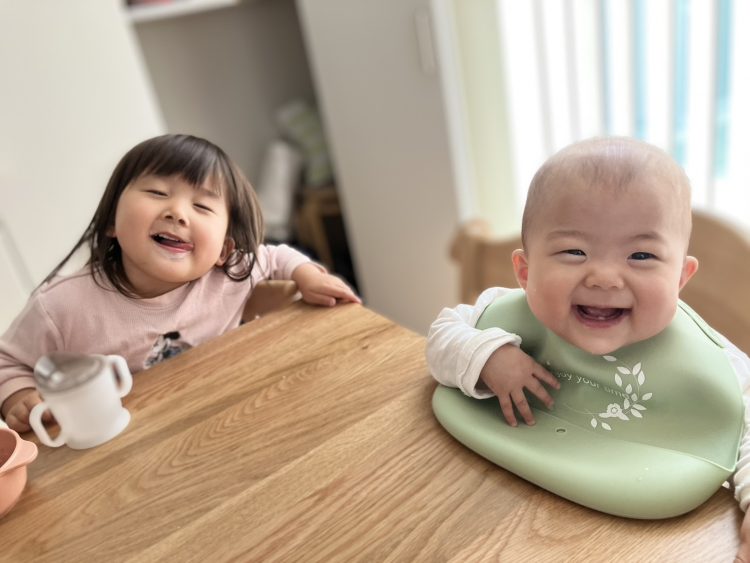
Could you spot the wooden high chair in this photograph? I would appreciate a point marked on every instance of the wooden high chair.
(484, 260)
(719, 291)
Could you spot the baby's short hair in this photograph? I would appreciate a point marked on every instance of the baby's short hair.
(610, 163)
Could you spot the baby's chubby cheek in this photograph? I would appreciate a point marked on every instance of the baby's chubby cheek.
(546, 311)
(593, 347)
(654, 323)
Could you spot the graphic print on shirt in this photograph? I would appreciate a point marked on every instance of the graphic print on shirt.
(166, 346)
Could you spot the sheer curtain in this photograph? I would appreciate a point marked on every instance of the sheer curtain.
(671, 72)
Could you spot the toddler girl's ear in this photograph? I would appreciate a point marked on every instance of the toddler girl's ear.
(520, 267)
(226, 251)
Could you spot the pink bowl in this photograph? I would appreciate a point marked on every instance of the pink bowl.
(15, 454)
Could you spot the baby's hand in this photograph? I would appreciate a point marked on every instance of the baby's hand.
(508, 371)
(320, 288)
(17, 407)
(743, 554)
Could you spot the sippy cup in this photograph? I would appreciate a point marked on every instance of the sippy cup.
(83, 393)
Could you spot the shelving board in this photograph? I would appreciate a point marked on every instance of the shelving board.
(141, 13)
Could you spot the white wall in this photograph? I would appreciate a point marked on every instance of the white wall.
(223, 74)
(383, 110)
(75, 97)
(482, 79)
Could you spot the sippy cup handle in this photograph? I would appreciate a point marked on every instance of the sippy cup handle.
(123, 372)
(35, 420)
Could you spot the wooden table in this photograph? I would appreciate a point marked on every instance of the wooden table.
(308, 436)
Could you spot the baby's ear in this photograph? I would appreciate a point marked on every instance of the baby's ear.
(520, 267)
(226, 251)
(689, 268)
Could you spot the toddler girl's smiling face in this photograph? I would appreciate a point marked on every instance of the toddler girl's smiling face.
(170, 232)
(602, 267)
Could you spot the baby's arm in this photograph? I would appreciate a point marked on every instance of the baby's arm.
(741, 477)
(510, 371)
(482, 363)
(742, 487)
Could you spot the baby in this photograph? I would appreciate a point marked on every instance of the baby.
(605, 235)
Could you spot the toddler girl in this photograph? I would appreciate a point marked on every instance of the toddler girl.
(175, 250)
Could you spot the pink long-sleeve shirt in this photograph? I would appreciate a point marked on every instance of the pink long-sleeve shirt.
(72, 313)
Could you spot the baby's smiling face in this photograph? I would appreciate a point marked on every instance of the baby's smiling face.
(603, 268)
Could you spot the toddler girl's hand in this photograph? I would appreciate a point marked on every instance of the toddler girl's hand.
(320, 288)
(508, 371)
(17, 407)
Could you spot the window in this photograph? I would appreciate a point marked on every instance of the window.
(669, 72)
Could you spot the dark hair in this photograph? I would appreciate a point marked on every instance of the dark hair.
(195, 160)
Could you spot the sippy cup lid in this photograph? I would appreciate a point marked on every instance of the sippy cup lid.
(60, 371)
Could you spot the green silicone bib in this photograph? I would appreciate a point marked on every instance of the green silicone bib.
(650, 431)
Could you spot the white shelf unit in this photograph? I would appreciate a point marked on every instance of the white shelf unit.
(223, 74)
(140, 13)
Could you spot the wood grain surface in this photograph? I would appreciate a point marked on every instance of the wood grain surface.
(307, 435)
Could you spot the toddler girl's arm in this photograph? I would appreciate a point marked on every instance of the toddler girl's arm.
(17, 408)
(14, 376)
(31, 335)
(18, 393)
(479, 363)
(316, 285)
(278, 262)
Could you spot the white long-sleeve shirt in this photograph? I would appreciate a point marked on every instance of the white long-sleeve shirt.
(457, 352)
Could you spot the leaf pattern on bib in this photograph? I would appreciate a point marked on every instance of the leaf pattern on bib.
(630, 381)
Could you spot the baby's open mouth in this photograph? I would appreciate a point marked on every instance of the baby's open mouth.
(171, 241)
(600, 314)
